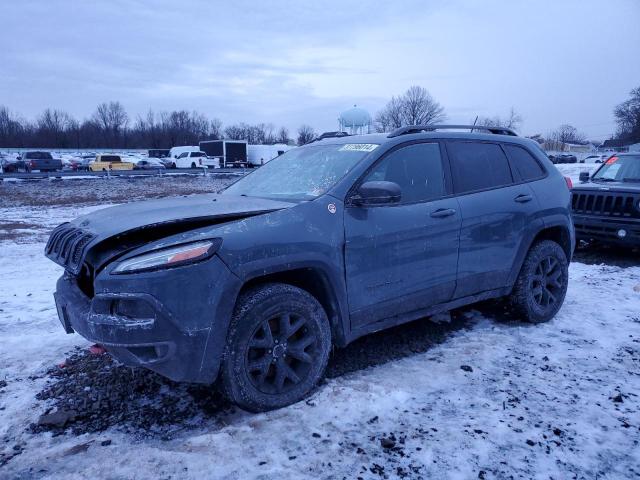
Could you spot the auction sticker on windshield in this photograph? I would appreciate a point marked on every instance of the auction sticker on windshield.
(358, 147)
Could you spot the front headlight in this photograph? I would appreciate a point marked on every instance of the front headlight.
(169, 257)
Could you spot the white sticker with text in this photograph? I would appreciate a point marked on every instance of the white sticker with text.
(359, 147)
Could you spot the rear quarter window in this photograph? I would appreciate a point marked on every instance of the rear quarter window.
(524, 164)
(478, 166)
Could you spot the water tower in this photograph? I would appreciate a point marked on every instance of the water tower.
(355, 121)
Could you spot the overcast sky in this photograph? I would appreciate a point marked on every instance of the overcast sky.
(291, 62)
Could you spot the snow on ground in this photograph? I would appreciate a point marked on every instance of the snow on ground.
(557, 400)
(573, 170)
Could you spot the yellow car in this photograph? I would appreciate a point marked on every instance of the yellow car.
(105, 163)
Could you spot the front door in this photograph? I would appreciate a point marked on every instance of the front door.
(403, 257)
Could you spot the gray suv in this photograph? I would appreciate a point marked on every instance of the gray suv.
(324, 244)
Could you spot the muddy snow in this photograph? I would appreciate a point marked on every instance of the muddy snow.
(483, 397)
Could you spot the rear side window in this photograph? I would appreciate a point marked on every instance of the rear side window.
(478, 166)
(417, 169)
(524, 163)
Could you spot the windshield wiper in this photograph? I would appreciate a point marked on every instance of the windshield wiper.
(633, 180)
(602, 179)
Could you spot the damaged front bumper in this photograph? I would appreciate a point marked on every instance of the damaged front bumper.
(176, 328)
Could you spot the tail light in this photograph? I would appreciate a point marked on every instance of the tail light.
(569, 182)
(32, 163)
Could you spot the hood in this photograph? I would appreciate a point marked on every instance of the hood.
(100, 235)
(152, 213)
(608, 186)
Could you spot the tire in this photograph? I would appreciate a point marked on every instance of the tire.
(261, 369)
(193, 165)
(542, 283)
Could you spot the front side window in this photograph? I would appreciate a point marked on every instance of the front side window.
(417, 169)
(302, 173)
(183, 154)
(478, 166)
(620, 169)
(524, 163)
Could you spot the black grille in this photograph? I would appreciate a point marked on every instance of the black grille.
(610, 204)
(66, 247)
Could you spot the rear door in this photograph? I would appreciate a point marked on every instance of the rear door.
(496, 212)
(403, 257)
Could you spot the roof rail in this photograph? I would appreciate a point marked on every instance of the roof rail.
(330, 135)
(430, 128)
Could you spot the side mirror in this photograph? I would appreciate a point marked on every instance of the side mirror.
(377, 193)
(584, 177)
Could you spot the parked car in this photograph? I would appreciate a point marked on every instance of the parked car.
(41, 161)
(595, 159)
(149, 164)
(566, 158)
(322, 245)
(606, 206)
(12, 165)
(191, 159)
(104, 163)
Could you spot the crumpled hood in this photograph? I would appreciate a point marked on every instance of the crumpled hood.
(152, 213)
(114, 230)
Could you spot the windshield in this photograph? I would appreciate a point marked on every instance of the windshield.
(620, 169)
(302, 173)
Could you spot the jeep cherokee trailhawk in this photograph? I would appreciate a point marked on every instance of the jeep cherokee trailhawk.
(328, 242)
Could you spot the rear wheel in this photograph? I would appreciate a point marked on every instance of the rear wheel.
(193, 164)
(542, 283)
(277, 347)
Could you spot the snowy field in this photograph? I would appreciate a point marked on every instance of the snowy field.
(558, 400)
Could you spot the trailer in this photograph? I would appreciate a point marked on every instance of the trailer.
(229, 153)
(258, 155)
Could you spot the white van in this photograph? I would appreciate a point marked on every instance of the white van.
(260, 154)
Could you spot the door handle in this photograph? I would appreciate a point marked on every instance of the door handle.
(523, 198)
(443, 212)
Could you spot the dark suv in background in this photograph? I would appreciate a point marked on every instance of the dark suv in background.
(606, 206)
(328, 242)
(42, 161)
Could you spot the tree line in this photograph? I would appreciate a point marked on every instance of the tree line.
(110, 126)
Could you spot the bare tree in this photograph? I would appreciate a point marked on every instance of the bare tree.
(306, 134)
(12, 129)
(112, 119)
(283, 136)
(564, 134)
(390, 117)
(415, 107)
(215, 130)
(513, 120)
(52, 128)
(628, 118)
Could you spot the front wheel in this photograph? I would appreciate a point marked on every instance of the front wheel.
(277, 347)
(542, 283)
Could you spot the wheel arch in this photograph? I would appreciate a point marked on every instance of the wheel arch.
(318, 282)
(557, 233)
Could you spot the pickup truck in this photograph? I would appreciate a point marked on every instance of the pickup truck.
(42, 161)
(104, 163)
